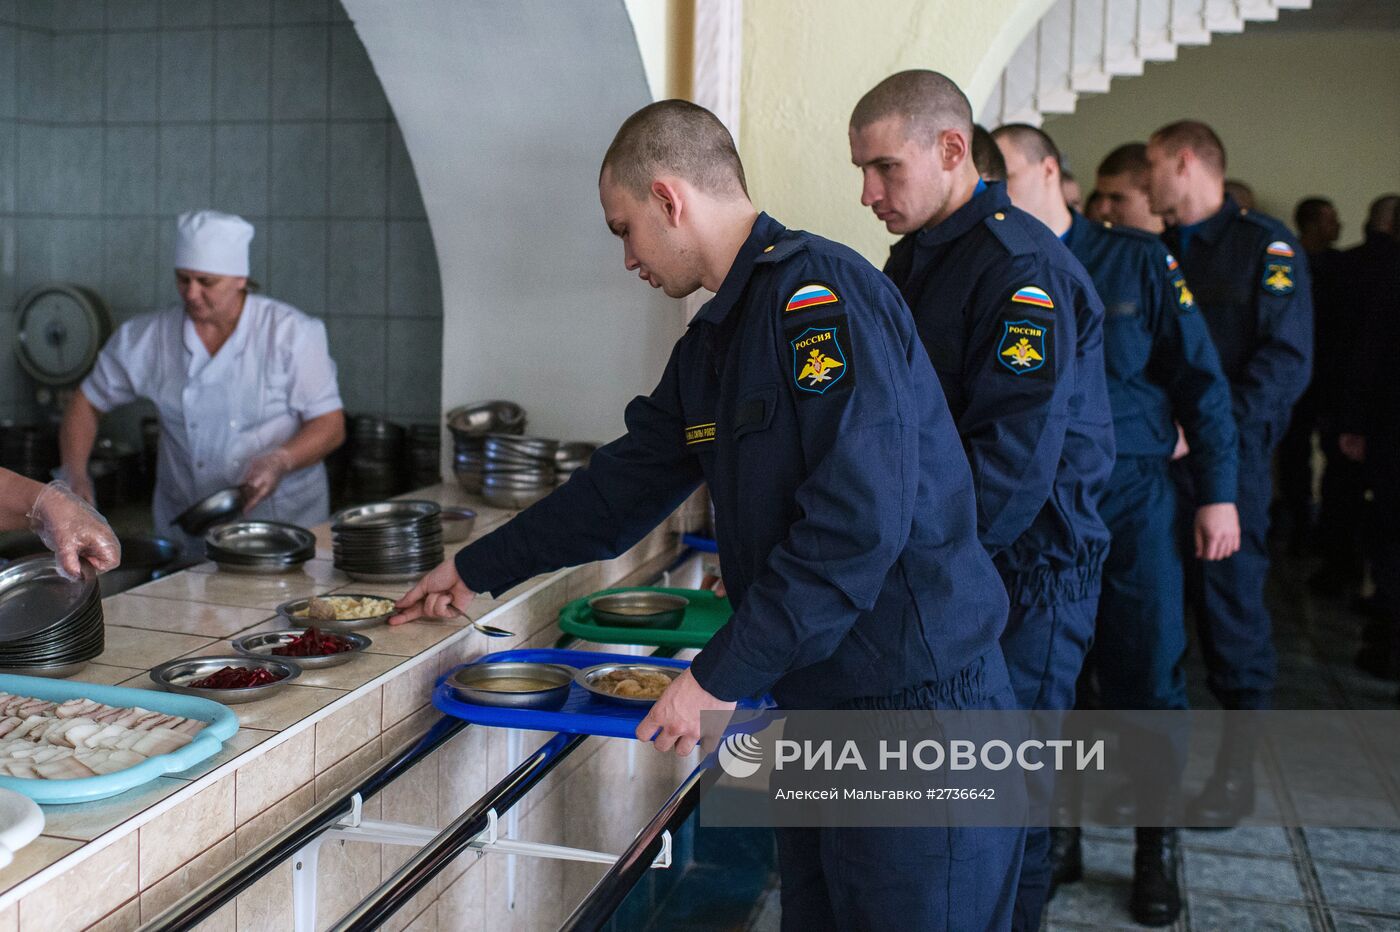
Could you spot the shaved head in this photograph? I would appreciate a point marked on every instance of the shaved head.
(1034, 144)
(678, 138)
(929, 103)
(1196, 136)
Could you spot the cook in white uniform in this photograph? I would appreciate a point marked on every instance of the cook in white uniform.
(244, 385)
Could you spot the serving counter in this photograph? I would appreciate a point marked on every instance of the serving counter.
(117, 862)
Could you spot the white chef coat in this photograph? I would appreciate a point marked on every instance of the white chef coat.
(217, 413)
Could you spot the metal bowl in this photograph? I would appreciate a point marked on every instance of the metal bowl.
(457, 524)
(639, 609)
(589, 675)
(470, 684)
(382, 516)
(209, 511)
(261, 645)
(340, 625)
(511, 498)
(174, 676)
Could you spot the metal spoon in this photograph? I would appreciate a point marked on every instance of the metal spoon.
(490, 631)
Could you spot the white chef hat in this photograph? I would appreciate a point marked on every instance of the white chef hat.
(213, 242)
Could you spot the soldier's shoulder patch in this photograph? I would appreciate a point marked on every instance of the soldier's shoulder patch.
(1279, 248)
(820, 362)
(1185, 300)
(1172, 264)
(1278, 276)
(810, 295)
(1035, 297)
(1026, 347)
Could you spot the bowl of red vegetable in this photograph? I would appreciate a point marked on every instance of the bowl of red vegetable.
(226, 679)
(308, 648)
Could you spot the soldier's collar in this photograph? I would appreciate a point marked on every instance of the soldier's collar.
(1209, 228)
(983, 204)
(765, 231)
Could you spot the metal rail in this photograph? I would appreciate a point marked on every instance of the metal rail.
(428, 861)
(608, 893)
(201, 903)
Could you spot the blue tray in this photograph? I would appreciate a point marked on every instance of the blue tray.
(582, 714)
(222, 725)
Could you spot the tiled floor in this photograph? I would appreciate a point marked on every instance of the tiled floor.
(1329, 880)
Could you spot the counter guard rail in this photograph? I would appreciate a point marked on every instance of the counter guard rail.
(633, 864)
(204, 901)
(428, 861)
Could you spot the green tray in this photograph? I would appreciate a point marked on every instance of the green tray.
(706, 614)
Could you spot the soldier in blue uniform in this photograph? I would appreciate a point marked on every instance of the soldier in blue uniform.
(1161, 364)
(1250, 281)
(845, 512)
(1015, 332)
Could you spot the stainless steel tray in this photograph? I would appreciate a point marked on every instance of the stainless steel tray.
(174, 675)
(588, 675)
(262, 644)
(339, 626)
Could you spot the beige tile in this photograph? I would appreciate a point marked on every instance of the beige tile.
(410, 729)
(345, 875)
(237, 589)
(243, 740)
(274, 774)
(197, 618)
(462, 904)
(413, 638)
(34, 857)
(349, 771)
(352, 675)
(181, 833)
(584, 580)
(461, 768)
(163, 893)
(106, 881)
(426, 921)
(281, 711)
(125, 918)
(142, 649)
(266, 906)
(348, 728)
(9, 918)
(274, 818)
(408, 692)
(103, 674)
(85, 821)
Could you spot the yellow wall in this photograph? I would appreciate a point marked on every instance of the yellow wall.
(1300, 114)
(807, 62)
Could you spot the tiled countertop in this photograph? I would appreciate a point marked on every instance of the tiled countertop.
(315, 725)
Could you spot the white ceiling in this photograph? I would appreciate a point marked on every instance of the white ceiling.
(1335, 14)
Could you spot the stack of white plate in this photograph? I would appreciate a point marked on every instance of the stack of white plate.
(393, 541)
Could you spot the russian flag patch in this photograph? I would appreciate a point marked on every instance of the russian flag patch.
(1279, 248)
(1033, 296)
(812, 294)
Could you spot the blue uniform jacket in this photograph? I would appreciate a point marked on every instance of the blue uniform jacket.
(1250, 279)
(1015, 331)
(844, 504)
(1158, 355)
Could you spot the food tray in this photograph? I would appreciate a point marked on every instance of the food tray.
(582, 714)
(221, 727)
(706, 615)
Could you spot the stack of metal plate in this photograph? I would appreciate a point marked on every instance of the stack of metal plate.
(393, 541)
(570, 456)
(518, 471)
(470, 425)
(259, 546)
(48, 625)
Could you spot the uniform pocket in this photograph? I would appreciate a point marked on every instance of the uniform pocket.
(754, 411)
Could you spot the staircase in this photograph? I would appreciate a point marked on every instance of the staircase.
(1079, 46)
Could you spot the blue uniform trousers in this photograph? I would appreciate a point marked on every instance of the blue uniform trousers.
(1227, 596)
(939, 878)
(1045, 645)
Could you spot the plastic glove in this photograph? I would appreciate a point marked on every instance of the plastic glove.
(81, 484)
(263, 475)
(74, 531)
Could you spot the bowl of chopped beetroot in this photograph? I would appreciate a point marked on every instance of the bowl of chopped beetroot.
(226, 679)
(308, 648)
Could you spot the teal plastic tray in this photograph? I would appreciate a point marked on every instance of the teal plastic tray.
(705, 615)
(222, 726)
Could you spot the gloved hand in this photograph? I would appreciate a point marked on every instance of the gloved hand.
(80, 483)
(73, 530)
(263, 475)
